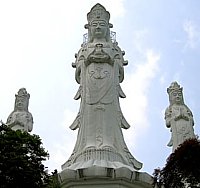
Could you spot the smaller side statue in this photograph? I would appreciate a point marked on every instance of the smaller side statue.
(178, 117)
(21, 118)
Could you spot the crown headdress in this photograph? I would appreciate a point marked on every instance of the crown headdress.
(174, 87)
(98, 12)
(22, 93)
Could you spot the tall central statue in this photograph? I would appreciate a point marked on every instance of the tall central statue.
(99, 71)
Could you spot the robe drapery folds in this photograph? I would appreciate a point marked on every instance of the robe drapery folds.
(180, 119)
(99, 71)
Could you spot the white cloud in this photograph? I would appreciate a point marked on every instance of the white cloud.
(69, 117)
(163, 79)
(193, 34)
(177, 76)
(62, 146)
(140, 40)
(135, 106)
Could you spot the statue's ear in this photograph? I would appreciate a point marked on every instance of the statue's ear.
(86, 26)
(110, 25)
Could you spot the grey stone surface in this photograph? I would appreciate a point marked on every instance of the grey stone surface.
(21, 118)
(100, 177)
(178, 117)
(100, 158)
(99, 71)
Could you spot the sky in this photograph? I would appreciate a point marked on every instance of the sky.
(38, 40)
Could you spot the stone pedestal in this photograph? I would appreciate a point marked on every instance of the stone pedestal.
(101, 177)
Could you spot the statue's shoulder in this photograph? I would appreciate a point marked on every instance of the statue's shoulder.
(188, 109)
(168, 110)
(13, 114)
(119, 53)
(116, 46)
(83, 52)
(22, 113)
(10, 117)
(28, 114)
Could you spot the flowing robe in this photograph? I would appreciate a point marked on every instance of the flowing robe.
(20, 120)
(99, 71)
(180, 119)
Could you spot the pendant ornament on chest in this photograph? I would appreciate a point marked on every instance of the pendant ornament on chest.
(99, 54)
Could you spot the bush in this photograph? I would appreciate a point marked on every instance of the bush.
(182, 168)
(21, 157)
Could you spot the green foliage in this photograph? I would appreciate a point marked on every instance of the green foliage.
(182, 167)
(21, 156)
(54, 182)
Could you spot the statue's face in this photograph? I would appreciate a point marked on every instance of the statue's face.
(21, 104)
(99, 29)
(177, 97)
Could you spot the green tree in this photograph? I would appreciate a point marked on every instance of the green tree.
(21, 157)
(182, 168)
(54, 182)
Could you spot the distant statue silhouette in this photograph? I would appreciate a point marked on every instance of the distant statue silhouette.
(21, 118)
(178, 117)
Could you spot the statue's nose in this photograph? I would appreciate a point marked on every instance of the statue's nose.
(98, 26)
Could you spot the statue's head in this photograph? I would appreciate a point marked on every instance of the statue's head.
(175, 93)
(22, 100)
(98, 23)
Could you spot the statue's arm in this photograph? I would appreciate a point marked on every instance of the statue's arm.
(12, 120)
(189, 112)
(29, 121)
(168, 117)
(79, 60)
(78, 79)
(118, 58)
(78, 74)
(9, 120)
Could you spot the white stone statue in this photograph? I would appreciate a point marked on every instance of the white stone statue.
(99, 71)
(178, 117)
(21, 118)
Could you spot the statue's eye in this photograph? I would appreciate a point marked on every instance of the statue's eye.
(94, 24)
(102, 24)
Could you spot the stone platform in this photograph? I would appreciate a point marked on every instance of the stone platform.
(101, 177)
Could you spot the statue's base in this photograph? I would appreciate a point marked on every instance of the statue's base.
(101, 177)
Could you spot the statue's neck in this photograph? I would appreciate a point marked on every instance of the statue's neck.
(177, 104)
(99, 40)
(105, 44)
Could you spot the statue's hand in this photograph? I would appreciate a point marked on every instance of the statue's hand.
(14, 123)
(182, 116)
(185, 117)
(17, 122)
(168, 122)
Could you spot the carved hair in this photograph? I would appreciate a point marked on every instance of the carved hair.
(174, 87)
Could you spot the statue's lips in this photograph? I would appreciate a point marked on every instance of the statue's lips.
(98, 32)
(20, 106)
